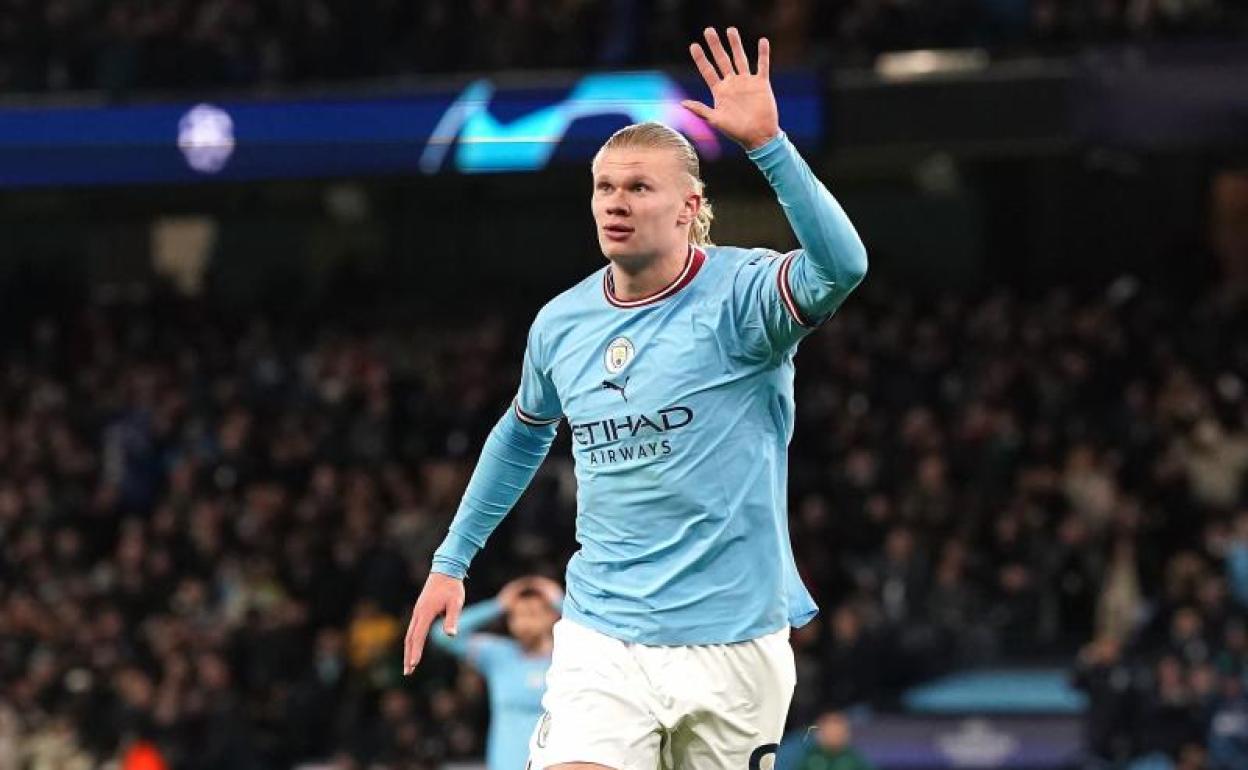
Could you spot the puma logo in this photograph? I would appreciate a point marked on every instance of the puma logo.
(608, 385)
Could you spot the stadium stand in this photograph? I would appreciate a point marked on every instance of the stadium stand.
(124, 45)
(210, 534)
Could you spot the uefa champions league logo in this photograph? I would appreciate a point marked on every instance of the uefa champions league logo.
(469, 136)
(479, 142)
(206, 138)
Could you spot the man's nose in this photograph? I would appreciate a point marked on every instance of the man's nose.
(616, 205)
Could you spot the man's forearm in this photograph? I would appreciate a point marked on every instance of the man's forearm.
(511, 456)
(834, 259)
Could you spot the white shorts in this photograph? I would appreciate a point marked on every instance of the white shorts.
(636, 707)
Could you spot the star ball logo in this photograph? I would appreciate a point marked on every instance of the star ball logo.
(206, 138)
(479, 142)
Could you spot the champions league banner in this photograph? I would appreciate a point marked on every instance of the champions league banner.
(483, 127)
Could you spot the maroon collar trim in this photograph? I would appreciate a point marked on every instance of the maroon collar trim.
(693, 263)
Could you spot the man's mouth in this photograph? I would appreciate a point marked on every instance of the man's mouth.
(617, 232)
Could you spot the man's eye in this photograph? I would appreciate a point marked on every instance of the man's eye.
(639, 187)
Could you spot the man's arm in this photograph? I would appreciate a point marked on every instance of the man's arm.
(833, 260)
(809, 283)
(511, 456)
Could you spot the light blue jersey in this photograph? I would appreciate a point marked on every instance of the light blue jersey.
(680, 407)
(516, 683)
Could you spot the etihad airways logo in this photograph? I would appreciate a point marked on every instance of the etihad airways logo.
(480, 142)
(612, 429)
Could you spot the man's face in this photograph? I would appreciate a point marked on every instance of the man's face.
(531, 619)
(833, 732)
(643, 204)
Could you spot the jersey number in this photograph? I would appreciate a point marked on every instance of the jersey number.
(756, 759)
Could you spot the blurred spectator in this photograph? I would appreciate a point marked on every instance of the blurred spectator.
(371, 635)
(853, 661)
(121, 45)
(1214, 462)
(1107, 679)
(831, 749)
(1119, 609)
(1228, 727)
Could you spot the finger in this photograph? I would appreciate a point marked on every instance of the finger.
(764, 58)
(407, 649)
(407, 646)
(450, 623)
(407, 643)
(704, 65)
(697, 108)
(717, 51)
(738, 51)
(415, 644)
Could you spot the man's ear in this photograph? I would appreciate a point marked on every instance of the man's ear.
(689, 211)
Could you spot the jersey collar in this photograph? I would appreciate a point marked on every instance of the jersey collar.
(693, 263)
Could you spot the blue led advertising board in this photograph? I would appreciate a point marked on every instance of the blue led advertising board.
(483, 127)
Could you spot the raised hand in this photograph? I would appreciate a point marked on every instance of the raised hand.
(745, 107)
(442, 595)
(507, 594)
(549, 588)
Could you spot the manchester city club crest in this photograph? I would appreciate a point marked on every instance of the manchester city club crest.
(619, 353)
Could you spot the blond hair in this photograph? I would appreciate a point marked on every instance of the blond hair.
(657, 135)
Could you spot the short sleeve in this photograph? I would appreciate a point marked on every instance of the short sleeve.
(537, 402)
(769, 319)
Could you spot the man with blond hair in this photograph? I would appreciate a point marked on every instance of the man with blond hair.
(673, 366)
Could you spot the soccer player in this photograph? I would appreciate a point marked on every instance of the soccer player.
(514, 668)
(673, 366)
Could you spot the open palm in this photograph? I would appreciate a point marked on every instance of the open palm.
(745, 107)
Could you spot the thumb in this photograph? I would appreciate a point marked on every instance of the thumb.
(698, 108)
(450, 623)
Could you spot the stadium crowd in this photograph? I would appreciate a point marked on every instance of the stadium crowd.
(210, 536)
(123, 45)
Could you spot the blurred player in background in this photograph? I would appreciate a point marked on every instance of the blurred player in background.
(673, 366)
(514, 668)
